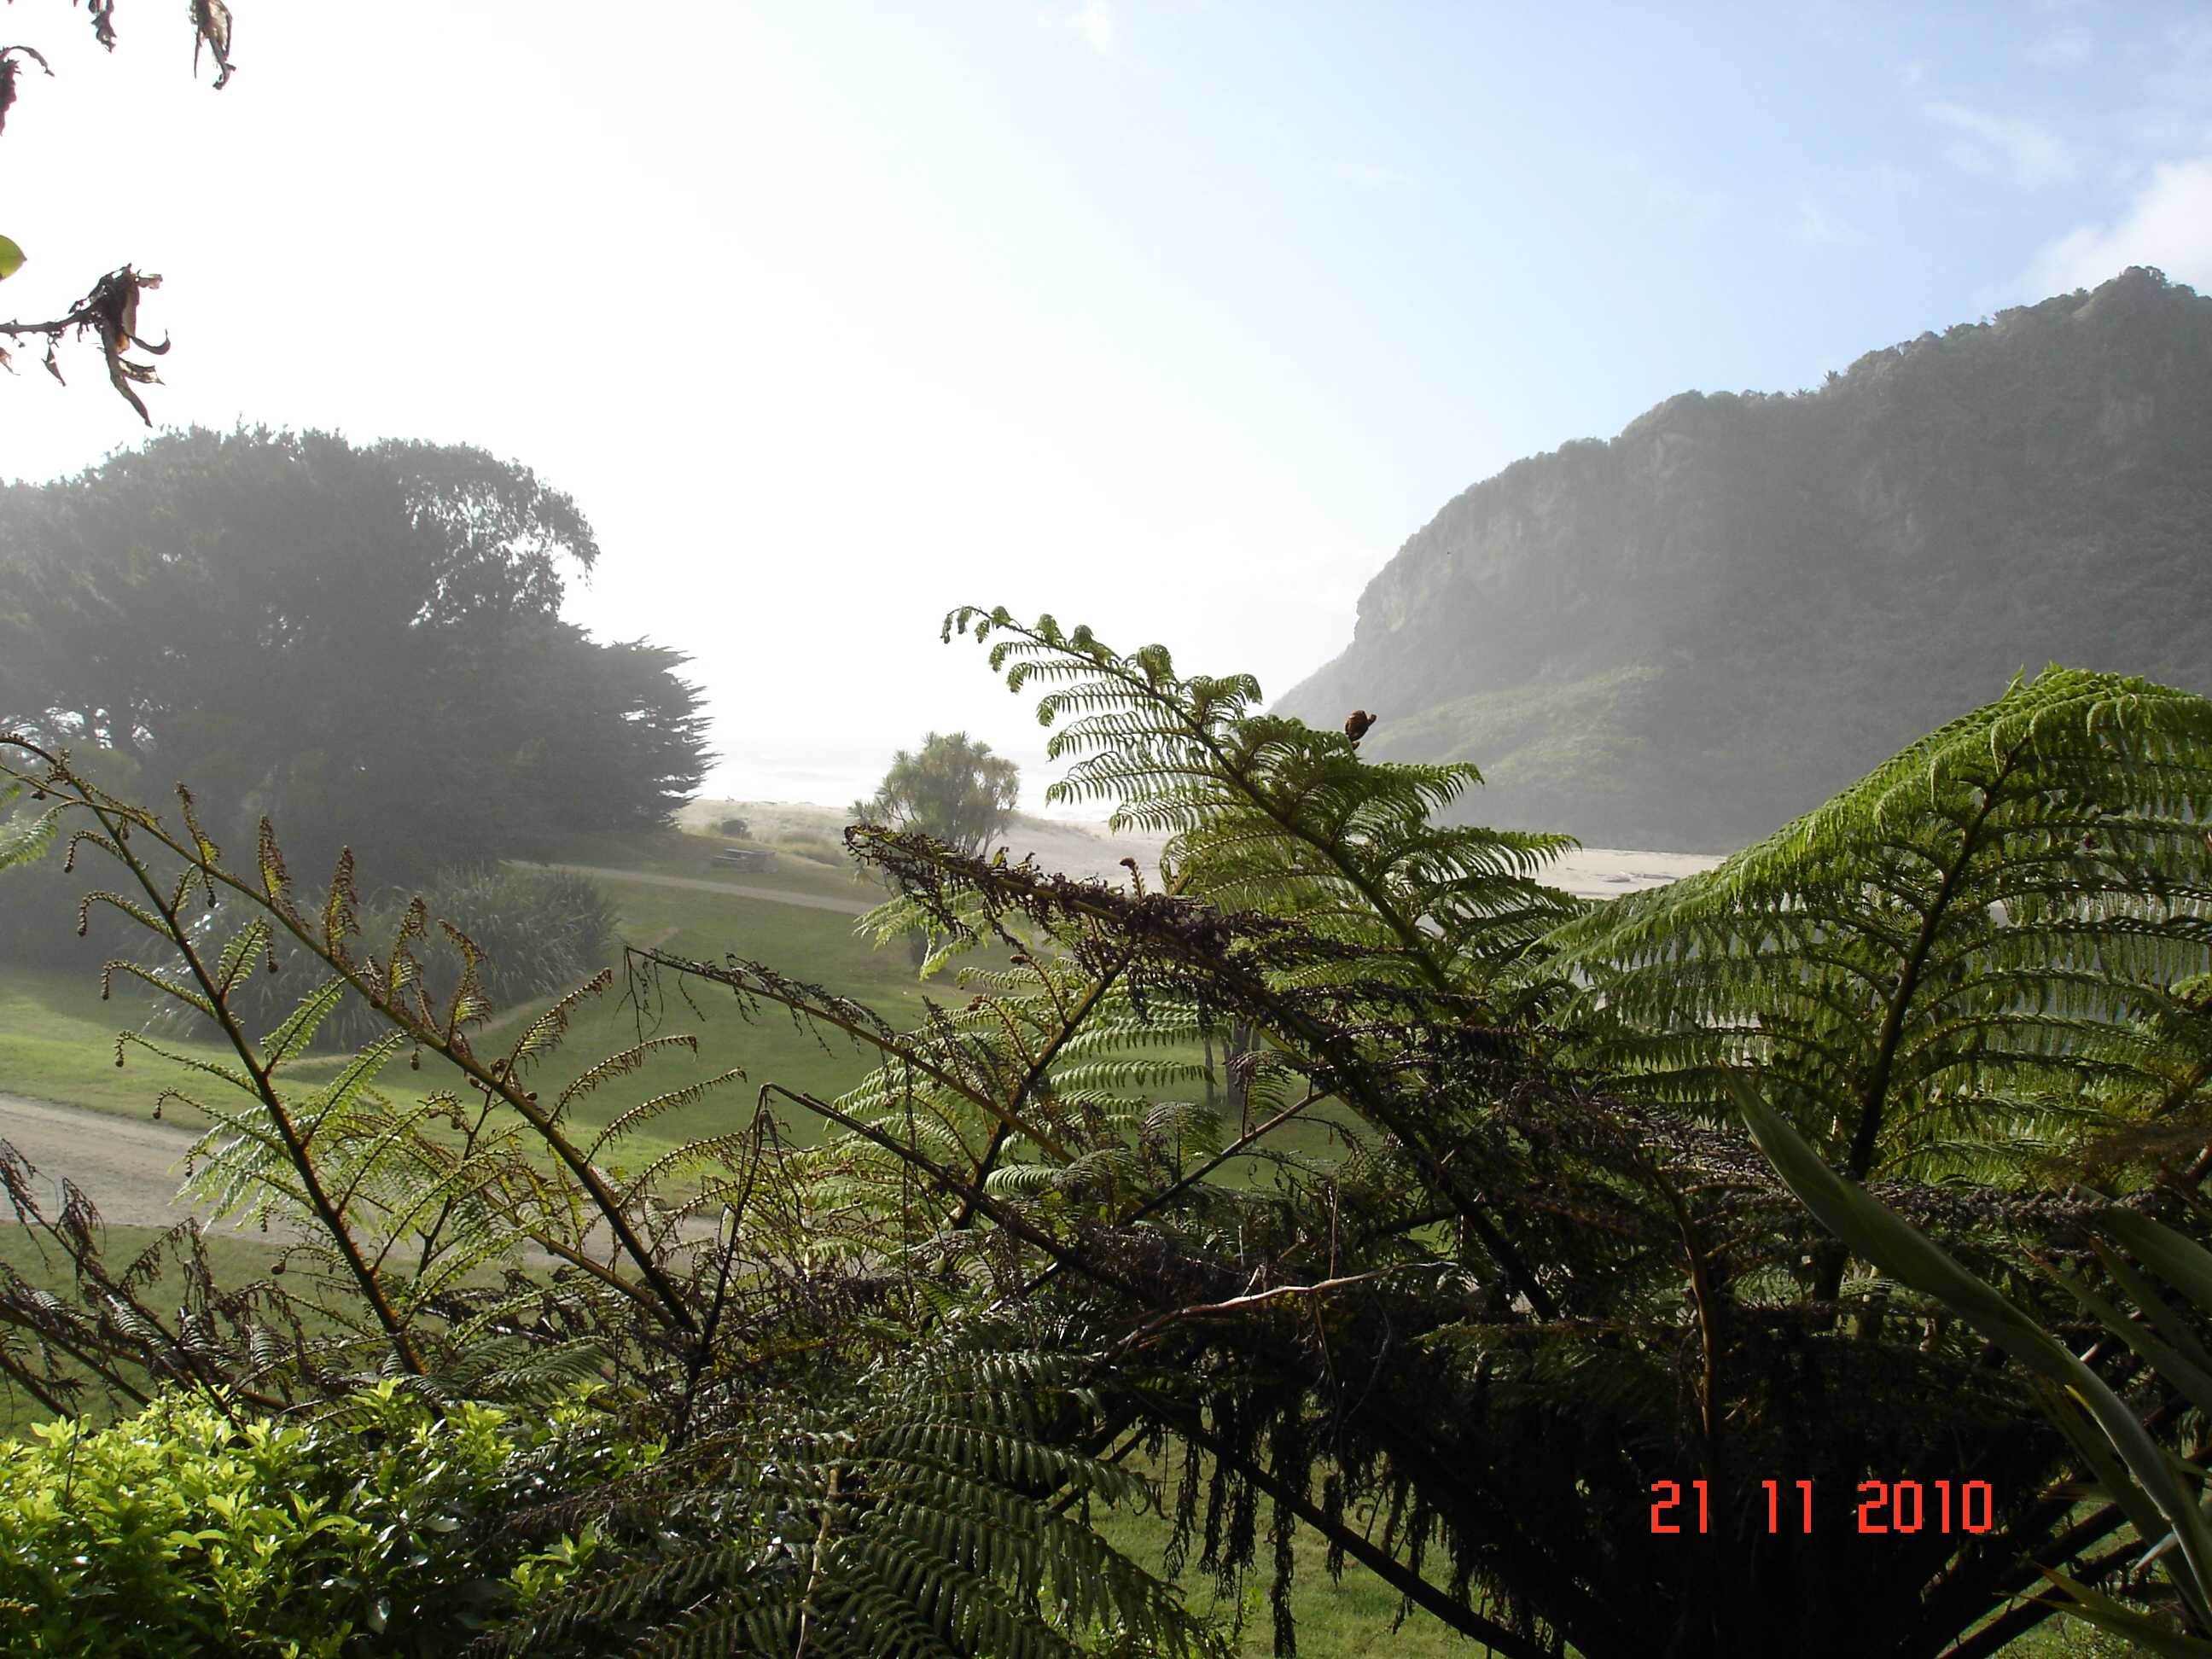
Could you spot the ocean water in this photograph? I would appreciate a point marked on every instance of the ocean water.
(831, 776)
(834, 773)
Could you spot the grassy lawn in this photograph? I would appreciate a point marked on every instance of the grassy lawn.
(235, 1261)
(812, 866)
(58, 1037)
(58, 1042)
(816, 946)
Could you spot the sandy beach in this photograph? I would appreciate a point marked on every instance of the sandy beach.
(1085, 847)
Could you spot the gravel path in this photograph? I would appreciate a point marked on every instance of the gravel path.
(128, 1167)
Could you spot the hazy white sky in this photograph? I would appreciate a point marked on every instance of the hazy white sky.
(1173, 318)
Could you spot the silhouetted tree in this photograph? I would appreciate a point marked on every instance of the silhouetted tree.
(281, 617)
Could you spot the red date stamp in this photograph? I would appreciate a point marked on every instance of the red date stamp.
(1884, 1506)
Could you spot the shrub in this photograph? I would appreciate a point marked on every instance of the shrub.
(185, 1530)
(735, 829)
(539, 931)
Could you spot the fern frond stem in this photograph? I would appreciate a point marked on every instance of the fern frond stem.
(295, 1147)
(1892, 1025)
(2191, 1081)
(1070, 1025)
(669, 1300)
(1075, 1494)
(1410, 934)
(1307, 1035)
(21, 1375)
(1707, 1298)
(1235, 1305)
(1168, 1193)
(2013, 1561)
(1013, 1031)
(368, 1168)
(2201, 1167)
(91, 1362)
(951, 1184)
(1834, 1258)
(470, 1136)
(447, 1043)
(599, 1270)
(1415, 1589)
(696, 1366)
(1317, 1038)
(180, 1355)
(2025, 1615)
(1302, 1034)
(814, 1575)
(965, 1215)
(1049, 1142)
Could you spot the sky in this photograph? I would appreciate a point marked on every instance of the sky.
(1175, 317)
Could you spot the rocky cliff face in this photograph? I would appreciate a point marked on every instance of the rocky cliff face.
(1688, 636)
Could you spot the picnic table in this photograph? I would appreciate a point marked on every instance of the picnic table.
(745, 858)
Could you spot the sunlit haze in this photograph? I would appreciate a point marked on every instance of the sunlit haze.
(1176, 319)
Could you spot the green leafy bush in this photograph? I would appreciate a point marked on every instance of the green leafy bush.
(537, 930)
(185, 1530)
(540, 930)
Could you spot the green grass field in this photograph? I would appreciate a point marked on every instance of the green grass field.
(234, 1262)
(802, 865)
(57, 1038)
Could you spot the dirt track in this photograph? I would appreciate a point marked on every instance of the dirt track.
(128, 1167)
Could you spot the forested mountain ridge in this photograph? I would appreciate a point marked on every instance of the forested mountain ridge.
(1688, 636)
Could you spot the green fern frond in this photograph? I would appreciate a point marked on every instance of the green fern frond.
(1986, 917)
(1265, 813)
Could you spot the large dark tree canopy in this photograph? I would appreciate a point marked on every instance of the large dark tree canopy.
(337, 636)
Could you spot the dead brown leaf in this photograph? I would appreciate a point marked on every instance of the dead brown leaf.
(9, 67)
(211, 30)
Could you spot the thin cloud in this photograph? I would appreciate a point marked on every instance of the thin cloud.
(1094, 22)
(1816, 226)
(2183, 74)
(2032, 156)
(2169, 225)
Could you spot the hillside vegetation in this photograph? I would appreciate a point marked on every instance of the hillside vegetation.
(1706, 626)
